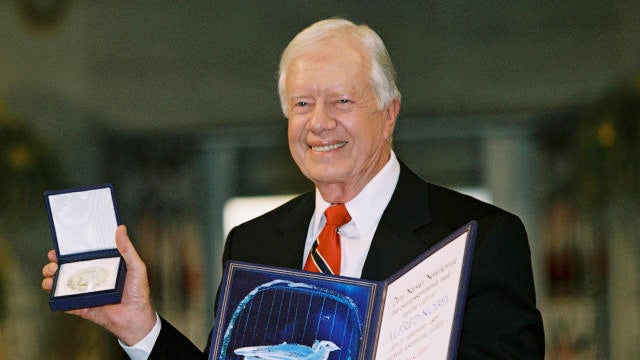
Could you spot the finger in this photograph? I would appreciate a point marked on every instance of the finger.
(47, 284)
(52, 256)
(83, 313)
(49, 270)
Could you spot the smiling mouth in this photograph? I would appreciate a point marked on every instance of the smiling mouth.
(323, 148)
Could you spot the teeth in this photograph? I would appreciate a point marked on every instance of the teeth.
(328, 147)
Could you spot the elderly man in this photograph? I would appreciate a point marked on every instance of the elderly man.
(337, 88)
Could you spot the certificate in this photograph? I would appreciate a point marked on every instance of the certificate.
(268, 312)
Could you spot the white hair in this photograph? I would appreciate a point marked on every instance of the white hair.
(382, 76)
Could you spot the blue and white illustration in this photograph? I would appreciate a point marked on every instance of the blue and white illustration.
(278, 319)
(320, 350)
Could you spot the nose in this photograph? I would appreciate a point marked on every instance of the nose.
(321, 119)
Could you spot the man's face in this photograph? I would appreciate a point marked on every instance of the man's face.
(337, 135)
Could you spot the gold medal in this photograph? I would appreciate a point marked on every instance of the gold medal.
(87, 279)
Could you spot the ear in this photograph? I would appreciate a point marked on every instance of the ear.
(390, 116)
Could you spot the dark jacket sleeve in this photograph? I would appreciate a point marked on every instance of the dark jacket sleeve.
(171, 344)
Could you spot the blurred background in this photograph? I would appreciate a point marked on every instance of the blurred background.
(532, 105)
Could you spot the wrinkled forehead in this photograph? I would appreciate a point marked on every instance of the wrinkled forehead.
(327, 74)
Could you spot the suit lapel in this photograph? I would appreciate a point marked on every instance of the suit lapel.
(396, 241)
(293, 228)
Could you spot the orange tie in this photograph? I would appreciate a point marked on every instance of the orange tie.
(324, 256)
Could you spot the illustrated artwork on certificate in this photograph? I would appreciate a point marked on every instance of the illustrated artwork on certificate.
(273, 316)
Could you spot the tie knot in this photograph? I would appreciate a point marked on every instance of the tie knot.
(337, 215)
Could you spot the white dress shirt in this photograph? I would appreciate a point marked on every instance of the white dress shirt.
(366, 210)
(355, 236)
(142, 349)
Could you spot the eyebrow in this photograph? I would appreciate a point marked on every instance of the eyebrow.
(298, 98)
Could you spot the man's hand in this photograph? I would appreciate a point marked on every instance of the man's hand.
(134, 317)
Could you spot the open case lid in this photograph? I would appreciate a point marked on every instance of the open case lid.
(83, 220)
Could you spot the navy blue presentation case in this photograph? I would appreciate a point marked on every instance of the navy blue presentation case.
(91, 271)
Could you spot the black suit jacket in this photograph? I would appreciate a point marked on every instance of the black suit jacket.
(501, 320)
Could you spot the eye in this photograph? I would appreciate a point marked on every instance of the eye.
(344, 104)
(302, 106)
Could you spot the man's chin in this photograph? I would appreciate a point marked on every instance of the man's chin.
(326, 176)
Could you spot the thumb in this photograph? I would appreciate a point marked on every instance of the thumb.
(136, 268)
(125, 247)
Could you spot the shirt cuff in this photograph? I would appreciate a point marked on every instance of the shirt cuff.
(142, 349)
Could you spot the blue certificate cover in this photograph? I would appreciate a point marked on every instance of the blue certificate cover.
(275, 313)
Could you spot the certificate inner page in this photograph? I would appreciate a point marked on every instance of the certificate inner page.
(420, 306)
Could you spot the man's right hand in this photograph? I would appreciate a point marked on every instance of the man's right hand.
(134, 317)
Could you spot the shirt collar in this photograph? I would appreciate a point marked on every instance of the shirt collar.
(367, 207)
